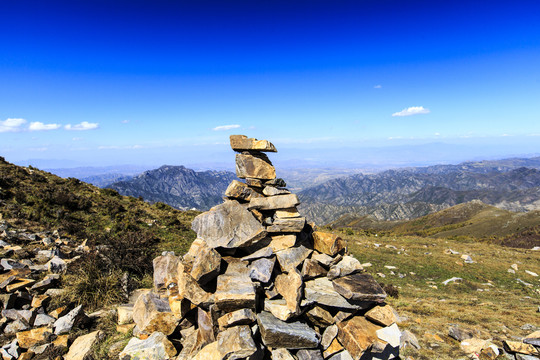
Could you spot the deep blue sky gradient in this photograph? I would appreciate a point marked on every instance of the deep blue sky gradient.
(159, 76)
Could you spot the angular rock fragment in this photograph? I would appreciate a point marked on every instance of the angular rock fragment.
(238, 190)
(82, 346)
(209, 352)
(165, 271)
(519, 347)
(272, 191)
(533, 338)
(281, 354)
(357, 335)
(65, 323)
(327, 243)
(249, 166)
(206, 266)
(236, 343)
(320, 317)
(347, 266)
(287, 213)
(151, 314)
(383, 315)
(190, 289)
(243, 143)
(228, 225)
(312, 269)
(276, 333)
(292, 257)
(334, 348)
(238, 317)
(288, 225)
(233, 293)
(309, 355)
(261, 270)
(390, 334)
(359, 287)
(37, 336)
(328, 336)
(261, 253)
(282, 242)
(274, 202)
(321, 291)
(279, 309)
(290, 287)
(155, 347)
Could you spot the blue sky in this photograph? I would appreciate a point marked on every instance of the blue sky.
(153, 82)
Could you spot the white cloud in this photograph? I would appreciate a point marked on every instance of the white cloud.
(125, 121)
(437, 134)
(225, 127)
(377, 87)
(85, 125)
(413, 110)
(11, 125)
(39, 126)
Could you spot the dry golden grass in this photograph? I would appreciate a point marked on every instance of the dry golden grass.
(489, 299)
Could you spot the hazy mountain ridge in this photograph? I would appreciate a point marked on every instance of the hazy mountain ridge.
(178, 186)
(414, 192)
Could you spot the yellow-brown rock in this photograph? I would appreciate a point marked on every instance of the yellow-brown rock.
(37, 336)
(327, 243)
(40, 300)
(62, 341)
(165, 271)
(238, 190)
(334, 348)
(282, 242)
(125, 328)
(290, 287)
(82, 346)
(19, 284)
(357, 335)
(59, 312)
(519, 347)
(242, 143)
(383, 315)
(209, 352)
(151, 313)
(249, 166)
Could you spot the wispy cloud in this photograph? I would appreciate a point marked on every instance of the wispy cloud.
(85, 125)
(116, 147)
(124, 121)
(39, 126)
(11, 125)
(377, 87)
(225, 127)
(413, 110)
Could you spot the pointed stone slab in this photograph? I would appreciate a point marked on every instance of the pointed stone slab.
(359, 287)
(274, 202)
(290, 287)
(151, 313)
(279, 334)
(249, 166)
(238, 190)
(348, 265)
(228, 225)
(206, 266)
(261, 269)
(242, 143)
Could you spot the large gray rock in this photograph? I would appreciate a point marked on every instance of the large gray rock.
(321, 291)
(155, 347)
(359, 287)
(228, 225)
(206, 266)
(279, 334)
(238, 317)
(309, 355)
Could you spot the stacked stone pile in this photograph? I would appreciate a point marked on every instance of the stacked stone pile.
(260, 283)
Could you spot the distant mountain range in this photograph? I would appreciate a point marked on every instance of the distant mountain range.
(511, 184)
(177, 186)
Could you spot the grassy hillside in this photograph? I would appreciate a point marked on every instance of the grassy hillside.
(36, 200)
(472, 220)
(489, 300)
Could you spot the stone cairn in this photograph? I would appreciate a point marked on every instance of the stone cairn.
(260, 283)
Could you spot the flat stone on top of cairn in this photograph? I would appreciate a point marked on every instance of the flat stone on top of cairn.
(260, 283)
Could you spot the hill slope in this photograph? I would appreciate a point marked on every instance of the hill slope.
(38, 200)
(474, 220)
(177, 186)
